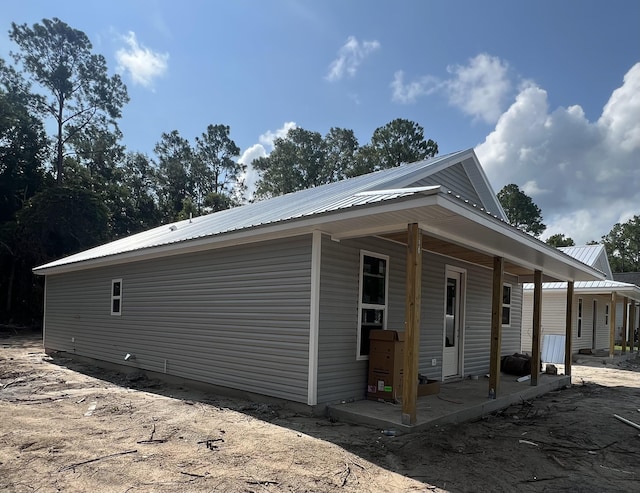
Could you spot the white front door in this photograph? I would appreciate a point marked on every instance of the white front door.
(453, 323)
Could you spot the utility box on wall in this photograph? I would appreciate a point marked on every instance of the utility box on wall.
(386, 356)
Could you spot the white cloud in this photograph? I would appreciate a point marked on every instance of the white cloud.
(409, 93)
(269, 136)
(350, 56)
(583, 175)
(250, 176)
(262, 149)
(142, 64)
(480, 89)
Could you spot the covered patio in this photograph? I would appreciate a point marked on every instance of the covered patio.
(447, 225)
(456, 402)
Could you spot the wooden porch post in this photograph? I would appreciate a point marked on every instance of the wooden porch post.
(632, 326)
(612, 326)
(625, 302)
(537, 327)
(496, 325)
(568, 339)
(412, 325)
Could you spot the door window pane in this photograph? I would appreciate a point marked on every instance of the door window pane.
(450, 317)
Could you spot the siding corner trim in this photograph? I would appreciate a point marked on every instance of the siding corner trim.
(314, 318)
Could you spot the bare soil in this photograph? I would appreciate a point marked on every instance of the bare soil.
(72, 427)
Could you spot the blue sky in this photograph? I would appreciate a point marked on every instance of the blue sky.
(547, 92)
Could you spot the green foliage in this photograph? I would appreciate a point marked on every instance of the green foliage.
(133, 205)
(398, 142)
(296, 162)
(521, 210)
(304, 159)
(200, 179)
(559, 240)
(22, 152)
(62, 220)
(79, 91)
(174, 166)
(623, 246)
(22, 146)
(214, 172)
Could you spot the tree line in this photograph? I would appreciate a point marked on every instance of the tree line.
(67, 183)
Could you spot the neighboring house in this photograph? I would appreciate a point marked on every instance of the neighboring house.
(592, 302)
(629, 278)
(278, 297)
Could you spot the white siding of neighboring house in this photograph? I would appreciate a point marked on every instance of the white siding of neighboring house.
(554, 306)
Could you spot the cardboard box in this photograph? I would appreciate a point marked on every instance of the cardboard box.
(386, 355)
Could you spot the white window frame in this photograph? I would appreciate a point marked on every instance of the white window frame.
(116, 297)
(579, 318)
(507, 305)
(371, 306)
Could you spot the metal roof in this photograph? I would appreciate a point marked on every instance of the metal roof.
(593, 255)
(313, 201)
(593, 287)
(377, 203)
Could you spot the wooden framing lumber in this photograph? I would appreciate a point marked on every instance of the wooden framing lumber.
(625, 304)
(496, 325)
(568, 340)
(412, 324)
(612, 325)
(537, 327)
(632, 326)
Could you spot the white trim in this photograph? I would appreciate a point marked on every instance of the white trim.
(373, 306)
(314, 317)
(507, 305)
(579, 318)
(462, 312)
(113, 297)
(44, 315)
(426, 190)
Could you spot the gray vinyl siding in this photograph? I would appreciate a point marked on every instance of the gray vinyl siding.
(603, 328)
(432, 315)
(454, 178)
(236, 317)
(477, 318)
(553, 319)
(340, 375)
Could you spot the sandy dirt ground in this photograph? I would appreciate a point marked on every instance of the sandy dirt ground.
(71, 427)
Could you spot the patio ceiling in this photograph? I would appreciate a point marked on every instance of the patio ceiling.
(456, 229)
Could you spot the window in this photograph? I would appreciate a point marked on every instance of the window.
(116, 297)
(372, 309)
(506, 304)
(606, 314)
(579, 317)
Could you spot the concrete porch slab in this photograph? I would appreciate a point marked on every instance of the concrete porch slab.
(457, 402)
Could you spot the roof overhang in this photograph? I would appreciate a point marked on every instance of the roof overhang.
(627, 290)
(449, 224)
